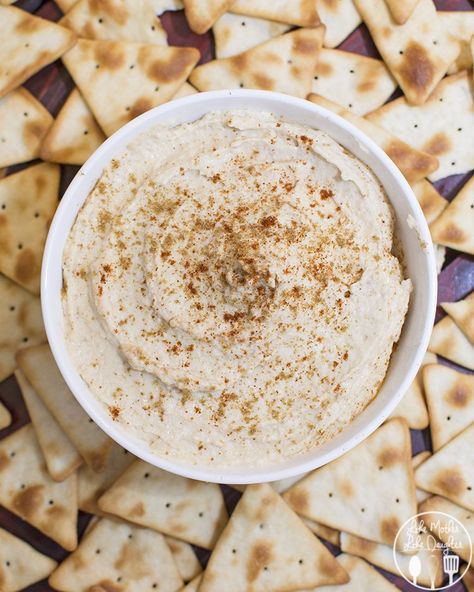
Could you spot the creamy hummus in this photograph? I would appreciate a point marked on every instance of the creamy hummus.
(230, 292)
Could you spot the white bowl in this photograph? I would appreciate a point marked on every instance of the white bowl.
(415, 238)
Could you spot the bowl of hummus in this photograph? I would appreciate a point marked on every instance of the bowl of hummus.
(239, 286)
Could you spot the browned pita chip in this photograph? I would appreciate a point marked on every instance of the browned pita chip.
(401, 10)
(285, 64)
(431, 201)
(28, 44)
(417, 460)
(468, 580)
(202, 14)
(120, 80)
(340, 19)
(23, 124)
(20, 321)
(454, 227)
(460, 24)
(449, 341)
(74, 135)
(185, 558)
(185, 91)
(417, 53)
(65, 5)
(5, 417)
(323, 532)
(300, 12)
(193, 586)
(160, 6)
(462, 313)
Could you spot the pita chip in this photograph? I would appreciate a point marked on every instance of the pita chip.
(120, 80)
(416, 461)
(468, 580)
(442, 126)
(62, 459)
(27, 490)
(431, 201)
(39, 368)
(185, 91)
(414, 164)
(185, 558)
(302, 13)
(448, 341)
(202, 14)
(28, 44)
(65, 5)
(461, 26)
(340, 19)
(454, 226)
(234, 34)
(92, 485)
(193, 585)
(74, 135)
(5, 417)
(401, 10)
(450, 471)
(285, 64)
(28, 200)
(365, 83)
(450, 399)
(323, 532)
(265, 546)
(117, 20)
(20, 564)
(23, 124)
(336, 495)
(417, 53)
(161, 6)
(116, 555)
(21, 323)
(462, 313)
(192, 511)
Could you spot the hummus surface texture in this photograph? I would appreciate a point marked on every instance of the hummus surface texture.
(230, 292)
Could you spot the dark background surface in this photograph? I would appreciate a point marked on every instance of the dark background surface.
(52, 86)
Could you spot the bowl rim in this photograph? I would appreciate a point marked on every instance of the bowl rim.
(52, 266)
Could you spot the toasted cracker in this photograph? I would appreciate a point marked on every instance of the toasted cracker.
(265, 546)
(23, 123)
(449, 341)
(234, 34)
(117, 20)
(361, 84)
(416, 461)
(417, 53)
(116, 555)
(414, 164)
(193, 585)
(74, 135)
(460, 24)
(21, 323)
(27, 490)
(462, 313)
(61, 458)
(450, 399)
(39, 367)
(185, 558)
(92, 485)
(5, 417)
(161, 6)
(65, 5)
(28, 200)
(202, 14)
(185, 91)
(431, 201)
(28, 44)
(401, 10)
(468, 580)
(302, 13)
(450, 471)
(285, 64)
(20, 564)
(120, 80)
(442, 126)
(454, 227)
(189, 510)
(337, 494)
(323, 532)
(340, 19)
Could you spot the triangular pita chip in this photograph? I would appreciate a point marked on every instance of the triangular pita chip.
(450, 399)
(340, 19)
(189, 510)
(20, 564)
(284, 64)
(431, 201)
(5, 417)
(23, 124)
(74, 135)
(185, 558)
(92, 485)
(440, 524)
(401, 10)
(28, 44)
(234, 34)
(65, 5)
(28, 200)
(442, 126)
(185, 91)
(302, 13)
(450, 471)
(323, 532)
(62, 459)
(27, 490)
(338, 495)
(413, 164)
(118, 20)
(417, 53)
(202, 14)
(115, 556)
(265, 546)
(416, 461)
(462, 313)
(449, 341)
(460, 24)
(454, 227)
(120, 80)
(193, 585)
(440, 257)
(21, 323)
(41, 371)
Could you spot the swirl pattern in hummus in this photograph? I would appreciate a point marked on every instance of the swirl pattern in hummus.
(230, 289)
